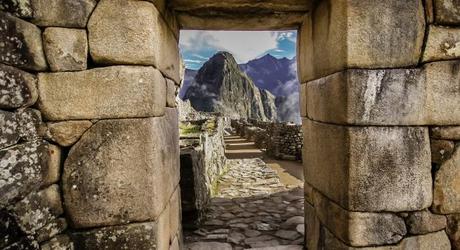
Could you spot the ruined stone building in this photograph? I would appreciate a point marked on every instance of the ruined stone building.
(89, 143)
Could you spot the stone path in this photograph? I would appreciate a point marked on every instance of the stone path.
(253, 210)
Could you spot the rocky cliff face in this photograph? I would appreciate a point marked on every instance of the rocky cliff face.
(279, 77)
(220, 86)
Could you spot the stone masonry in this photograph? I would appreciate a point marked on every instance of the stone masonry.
(380, 96)
(279, 140)
(89, 142)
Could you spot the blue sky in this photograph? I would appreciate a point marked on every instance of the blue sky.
(198, 46)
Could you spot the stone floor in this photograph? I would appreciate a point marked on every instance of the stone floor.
(253, 210)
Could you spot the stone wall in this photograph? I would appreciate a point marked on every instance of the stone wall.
(205, 153)
(280, 140)
(89, 152)
(380, 98)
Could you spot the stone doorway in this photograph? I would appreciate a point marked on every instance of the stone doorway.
(88, 89)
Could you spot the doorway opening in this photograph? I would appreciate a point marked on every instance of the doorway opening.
(241, 140)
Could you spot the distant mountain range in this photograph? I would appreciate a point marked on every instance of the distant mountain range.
(276, 80)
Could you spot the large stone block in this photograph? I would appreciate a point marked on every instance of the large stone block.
(359, 229)
(433, 241)
(241, 5)
(21, 170)
(21, 44)
(136, 34)
(443, 43)
(446, 194)
(99, 189)
(369, 168)
(360, 34)
(447, 12)
(124, 32)
(111, 92)
(140, 236)
(18, 88)
(62, 13)
(67, 133)
(38, 210)
(424, 96)
(66, 49)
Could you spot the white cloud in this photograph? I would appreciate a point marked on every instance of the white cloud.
(192, 61)
(244, 45)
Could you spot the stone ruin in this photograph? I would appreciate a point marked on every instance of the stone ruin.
(202, 162)
(279, 140)
(89, 143)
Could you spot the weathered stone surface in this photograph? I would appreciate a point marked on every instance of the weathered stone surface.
(67, 133)
(369, 168)
(24, 243)
(18, 88)
(21, 44)
(446, 133)
(111, 92)
(345, 34)
(66, 49)
(21, 170)
(434, 241)
(136, 34)
(175, 216)
(175, 244)
(446, 194)
(303, 100)
(52, 168)
(170, 93)
(30, 125)
(447, 12)
(98, 188)
(140, 236)
(21, 9)
(312, 227)
(441, 150)
(37, 210)
(60, 242)
(359, 229)
(24, 125)
(10, 231)
(244, 21)
(62, 13)
(125, 32)
(8, 129)
(424, 222)
(388, 97)
(443, 98)
(308, 192)
(53, 228)
(368, 97)
(453, 230)
(443, 43)
(241, 5)
(208, 246)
